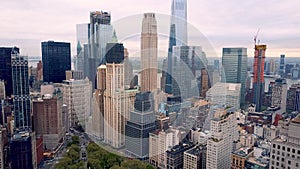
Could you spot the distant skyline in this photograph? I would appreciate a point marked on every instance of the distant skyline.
(26, 23)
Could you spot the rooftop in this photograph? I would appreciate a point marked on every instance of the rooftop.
(197, 150)
(243, 151)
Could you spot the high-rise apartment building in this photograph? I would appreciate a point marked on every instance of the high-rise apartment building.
(258, 75)
(56, 57)
(47, 119)
(285, 149)
(293, 98)
(21, 100)
(279, 94)
(5, 68)
(225, 94)
(149, 53)
(272, 66)
(77, 95)
(223, 129)
(234, 62)
(141, 122)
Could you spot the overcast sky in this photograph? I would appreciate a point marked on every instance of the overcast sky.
(231, 23)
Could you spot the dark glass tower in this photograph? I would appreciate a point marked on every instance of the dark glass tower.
(168, 74)
(56, 58)
(21, 99)
(5, 67)
(141, 123)
(20, 151)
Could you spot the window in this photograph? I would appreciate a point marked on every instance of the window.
(289, 162)
(288, 149)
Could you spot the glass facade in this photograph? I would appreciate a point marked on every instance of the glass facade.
(141, 123)
(56, 58)
(5, 67)
(234, 61)
(21, 99)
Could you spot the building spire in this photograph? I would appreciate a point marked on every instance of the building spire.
(114, 38)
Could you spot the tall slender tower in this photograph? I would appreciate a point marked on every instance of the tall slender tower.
(258, 75)
(178, 35)
(21, 98)
(149, 53)
(179, 19)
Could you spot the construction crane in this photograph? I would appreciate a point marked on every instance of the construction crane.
(255, 37)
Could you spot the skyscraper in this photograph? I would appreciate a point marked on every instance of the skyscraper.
(101, 33)
(77, 96)
(149, 53)
(279, 94)
(223, 129)
(5, 68)
(56, 57)
(281, 65)
(179, 19)
(22, 151)
(117, 101)
(83, 35)
(21, 98)
(258, 75)
(234, 61)
(140, 124)
(185, 61)
(178, 36)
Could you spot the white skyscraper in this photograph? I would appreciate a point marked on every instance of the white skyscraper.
(77, 95)
(225, 94)
(223, 129)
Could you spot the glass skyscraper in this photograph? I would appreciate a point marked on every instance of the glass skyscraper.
(178, 36)
(5, 67)
(21, 98)
(56, 57)
(179, 19)
(234, 61)
(100, 33)
(140, 124)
